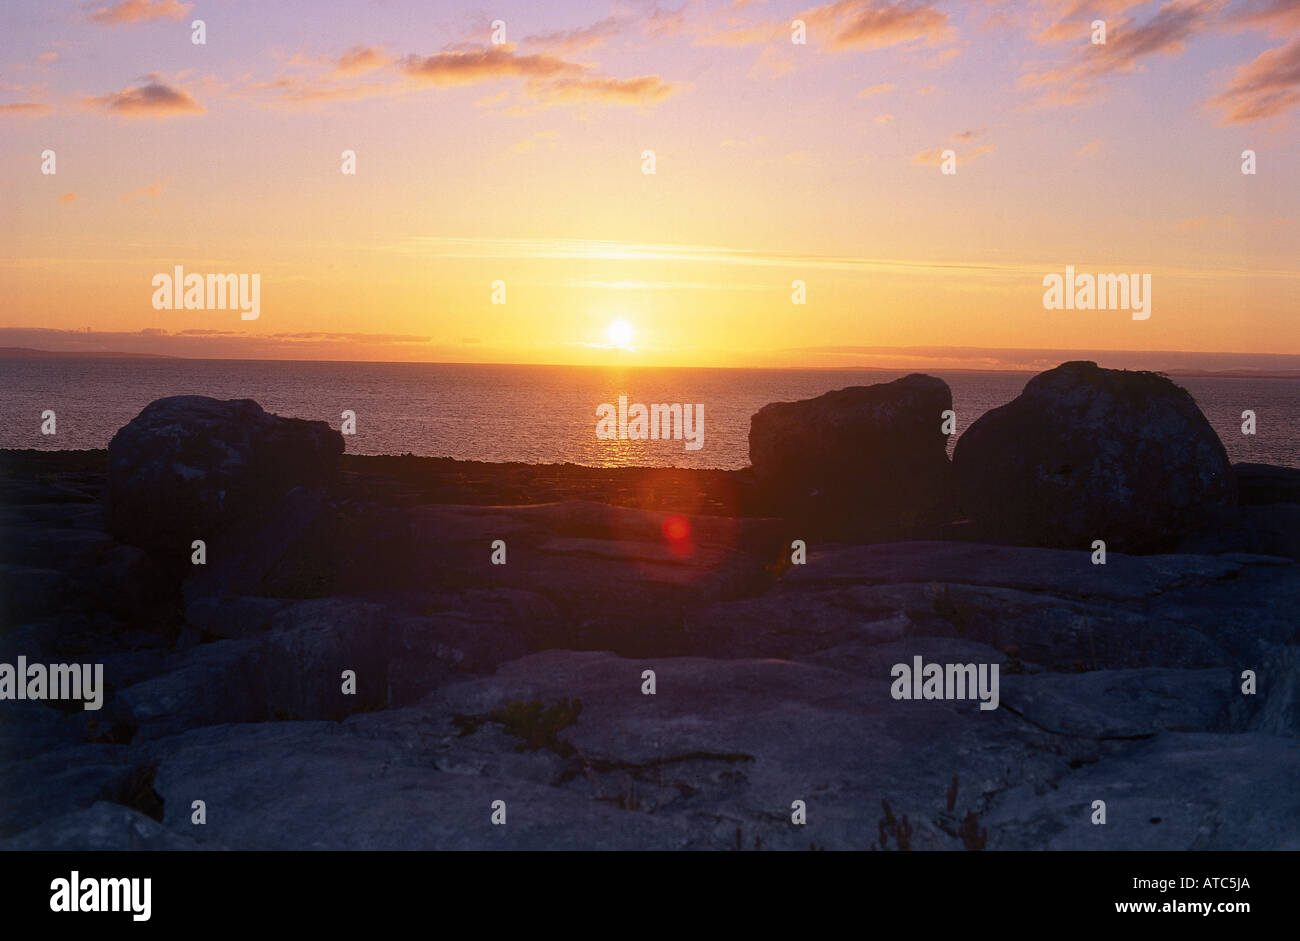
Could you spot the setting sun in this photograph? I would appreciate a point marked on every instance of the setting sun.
(620, 335)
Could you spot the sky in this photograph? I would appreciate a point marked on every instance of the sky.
(501, 149)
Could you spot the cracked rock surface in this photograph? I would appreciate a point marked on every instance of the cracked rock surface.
(1119, 683)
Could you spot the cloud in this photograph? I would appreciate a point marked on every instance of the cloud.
(467, 67)
(582, 39)
(884, 119)
(154, 99)
(643, 90)
(876, 90)
(1265, 87)
(47, 57)
(361, 59)
(733, 143)
(540, 139)
(140, 11)
(963, 136)
(551, 80)
(842, 25)
(1071, 20)
(68, 198)
(33, 108)
(588, 249)
(737, 34)
(942, 58)
(153, 189)
(294, 90)
(1165, 33)
(661, 23)
(1279, 17)
(772, 63)
(928, 158)
(1087, 148)
(340, 337)
(548, 79)
(871, 24)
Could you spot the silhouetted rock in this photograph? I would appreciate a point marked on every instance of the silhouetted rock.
(863, 460)
(1259, 484)
(1086, 453)
(187, 467)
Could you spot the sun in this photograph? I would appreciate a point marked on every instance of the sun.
(620, 335)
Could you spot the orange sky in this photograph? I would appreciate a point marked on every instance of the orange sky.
(775, 162)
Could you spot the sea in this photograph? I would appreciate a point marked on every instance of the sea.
(533, 414)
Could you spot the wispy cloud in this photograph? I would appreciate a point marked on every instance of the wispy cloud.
(1280, 18)
(1127, 45)
(152, 190)
(29, 108)
(581, 39)
(872, 24)
(540, 139)
(296, 90)
(736, 34)
(139, 11)
(642, 90)
(596, 249)
(361, 59)
(934, 157)
(1266, 87)
(1058, 21)
(838, 26)
(547, 79)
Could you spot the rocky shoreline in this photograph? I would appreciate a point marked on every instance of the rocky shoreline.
(518, 672)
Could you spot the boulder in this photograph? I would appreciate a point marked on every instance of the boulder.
(866, 459)
(1086, 453)
(188, 467)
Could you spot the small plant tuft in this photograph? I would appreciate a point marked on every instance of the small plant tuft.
(538, 725)
(533, 721)
(900, 830)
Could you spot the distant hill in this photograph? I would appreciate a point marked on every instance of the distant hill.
(22, 352)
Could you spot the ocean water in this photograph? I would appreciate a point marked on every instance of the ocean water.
(538, 414)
